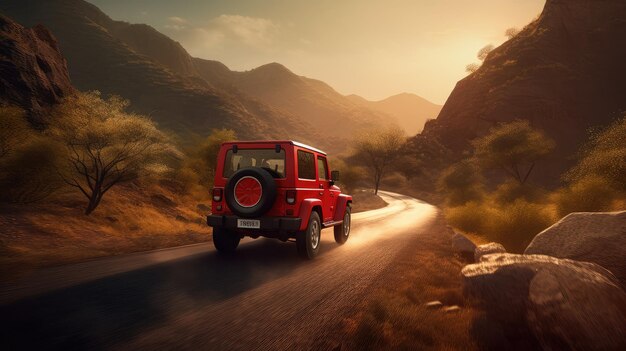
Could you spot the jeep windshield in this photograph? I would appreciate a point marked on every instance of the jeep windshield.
(268, 159)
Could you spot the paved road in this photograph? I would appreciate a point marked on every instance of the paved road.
(189, 297)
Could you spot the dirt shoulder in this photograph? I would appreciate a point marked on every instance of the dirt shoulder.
(395, 315)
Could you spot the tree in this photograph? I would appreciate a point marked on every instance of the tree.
(461, 183)
(511, 32)
(105, 145)
(484, 52)
(512, 147)
(377, 150)
(211, 146)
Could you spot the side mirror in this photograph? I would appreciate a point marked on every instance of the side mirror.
(334, 176)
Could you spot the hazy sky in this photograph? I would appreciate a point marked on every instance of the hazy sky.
(371, 48)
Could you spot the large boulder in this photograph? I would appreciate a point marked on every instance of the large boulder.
(463, 246)
(598, 237)
(488, 249)
(548, 302)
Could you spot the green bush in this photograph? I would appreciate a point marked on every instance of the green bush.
(590, 194)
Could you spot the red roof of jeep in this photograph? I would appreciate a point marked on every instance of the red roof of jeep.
(273, 142)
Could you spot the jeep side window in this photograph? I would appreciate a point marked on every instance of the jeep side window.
(306, 165)
(322, 170)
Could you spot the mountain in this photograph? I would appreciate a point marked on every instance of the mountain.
(189, 95)
(310, 100)
(33, 73)
(564, 72)
(411, 111)
(154, 72)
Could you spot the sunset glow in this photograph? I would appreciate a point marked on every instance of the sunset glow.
(374, 49)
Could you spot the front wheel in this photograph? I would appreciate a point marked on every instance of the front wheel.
(308, 241)
(225, 241)
(342, 231)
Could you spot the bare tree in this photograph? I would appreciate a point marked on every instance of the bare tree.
(378, 150)
(511, 32)
(484, 52)
(105, 145)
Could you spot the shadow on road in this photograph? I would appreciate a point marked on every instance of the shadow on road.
(102, 313)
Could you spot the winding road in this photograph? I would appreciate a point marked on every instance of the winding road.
(265, 297)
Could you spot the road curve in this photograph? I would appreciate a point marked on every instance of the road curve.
(190, 297)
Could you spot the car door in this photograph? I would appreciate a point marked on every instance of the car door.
(323, 179)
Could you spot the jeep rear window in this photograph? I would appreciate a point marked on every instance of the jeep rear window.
(268, 159)
(306, 165)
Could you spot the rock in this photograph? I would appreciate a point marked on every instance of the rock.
(487, 249)
(591, 237)
(111, 219)
(463, 246)
(33, 73)
(451, 309)
(434, 304)
(558, 303)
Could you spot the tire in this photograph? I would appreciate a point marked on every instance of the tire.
(268, 192)
(342, 231)
(308, 240)
(225, 241)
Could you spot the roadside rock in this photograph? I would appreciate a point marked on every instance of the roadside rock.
(555, 303)
(486, 249)
(598, 237)
(463, 246)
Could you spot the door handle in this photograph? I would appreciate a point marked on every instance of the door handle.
(321, 186)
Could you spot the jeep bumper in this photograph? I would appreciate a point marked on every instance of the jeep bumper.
(267, 224)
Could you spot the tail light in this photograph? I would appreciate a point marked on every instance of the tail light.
(291, 197)
(217, 194)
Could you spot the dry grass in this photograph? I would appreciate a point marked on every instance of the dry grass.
(365, 200)
(395, 316)
(130, 219)
(513, 225)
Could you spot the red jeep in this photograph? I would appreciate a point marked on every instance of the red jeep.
(278, 189)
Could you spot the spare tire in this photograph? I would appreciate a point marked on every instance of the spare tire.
(250, 192)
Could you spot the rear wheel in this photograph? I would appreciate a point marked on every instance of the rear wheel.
(308, 241)
(224, 240)
(342, 231)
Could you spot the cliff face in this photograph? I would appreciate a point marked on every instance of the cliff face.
(33, 73)
(564, 72)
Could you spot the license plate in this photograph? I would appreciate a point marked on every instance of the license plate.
(249, 223)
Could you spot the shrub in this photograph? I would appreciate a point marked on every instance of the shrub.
(515, 225)
(461, 183)
(511, 191)
(590, 194)
(470, 217)
(30, 174)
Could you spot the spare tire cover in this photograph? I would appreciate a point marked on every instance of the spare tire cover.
(250, 192)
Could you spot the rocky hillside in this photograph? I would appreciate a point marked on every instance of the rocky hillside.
(33, 73)
(411, 111)
(564, 73)
(152, 71)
